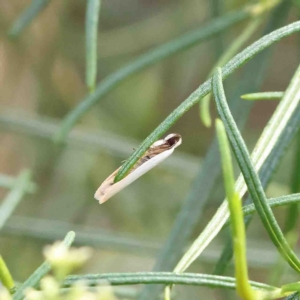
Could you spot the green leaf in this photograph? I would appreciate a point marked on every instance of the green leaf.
(249, 173)
(293, 211)
(263, 96)
(29, 14)
(15, 196)
(273, 202)
(265, 173)
(268, 139)
(91, 27)
(9, 182)
(212, 281)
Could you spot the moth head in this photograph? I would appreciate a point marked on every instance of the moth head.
(173, 139)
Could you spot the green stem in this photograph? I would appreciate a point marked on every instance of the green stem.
(243, 286)
(5, 276)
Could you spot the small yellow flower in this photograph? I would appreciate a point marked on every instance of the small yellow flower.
(4, 294)
(64, 260)
(32, 294)
(50, 288)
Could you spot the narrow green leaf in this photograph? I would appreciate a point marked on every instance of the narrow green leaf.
(161, 278)
(250, 176)
(27, 17)
(265, 173)
(204, 89)
(41, 271)
(236, 217)
(217, 9)
(14, 196)
(293, 211)
(9, 182)
(148, 59)
(291, 220)
(263, 96)
(268, 139)
(291, 287)
(273, 202)
(5, 276)
(91, 27)
(295, 296)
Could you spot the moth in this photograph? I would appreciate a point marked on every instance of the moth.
(154, 155)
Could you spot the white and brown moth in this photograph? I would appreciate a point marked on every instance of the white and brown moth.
(158, 152)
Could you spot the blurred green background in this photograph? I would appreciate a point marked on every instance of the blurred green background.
(42, 78)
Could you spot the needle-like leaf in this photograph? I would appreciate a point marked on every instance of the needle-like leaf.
(251, 177)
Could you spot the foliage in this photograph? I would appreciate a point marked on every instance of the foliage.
(256, 168)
